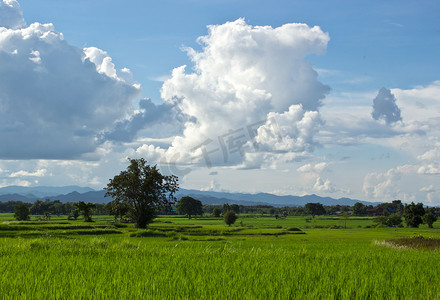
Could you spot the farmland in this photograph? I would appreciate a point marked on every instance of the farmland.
(257, 258)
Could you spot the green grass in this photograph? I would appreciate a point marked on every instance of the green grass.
(177, 258)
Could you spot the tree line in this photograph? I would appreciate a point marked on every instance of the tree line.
(141, 192)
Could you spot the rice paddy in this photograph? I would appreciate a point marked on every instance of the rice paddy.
(177, 258)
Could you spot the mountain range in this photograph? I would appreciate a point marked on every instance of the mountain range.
(86, 194)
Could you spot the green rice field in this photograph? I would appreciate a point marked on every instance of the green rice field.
(177, 258)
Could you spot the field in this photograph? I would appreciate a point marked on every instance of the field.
(177, 258)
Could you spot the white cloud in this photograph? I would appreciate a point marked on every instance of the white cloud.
(55, 99)
(22, 173)
(290, 131)
(324, 186)
(5, 183)
(244, 77)
(11, 15)
(313, 168)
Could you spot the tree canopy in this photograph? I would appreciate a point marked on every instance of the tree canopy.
(315, 209)
(144, 190)
(189, 206)
(230, 217)
(85, 209)
(21, 212)
(413, 214)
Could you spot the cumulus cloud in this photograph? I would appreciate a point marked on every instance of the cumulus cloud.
(55, 99)
(11, 15)
(245, 79)
(324, 186)
(385, 107)
(430, 161)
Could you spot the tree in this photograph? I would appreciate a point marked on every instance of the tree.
(85, 209)
(413, 214)
(230, 217)
(359, 209)
(189, 206)
(216, 212)
(21, 212)
(394, 220)
(314, 209)
(144, 190)
(235, 208)
(429, 219)
(226, 208)
(391, 220)
(117, 209)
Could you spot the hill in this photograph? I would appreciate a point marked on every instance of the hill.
(75, 194)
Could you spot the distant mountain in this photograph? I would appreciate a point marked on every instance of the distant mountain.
(75, 194)
(44, 191)
(209, 197)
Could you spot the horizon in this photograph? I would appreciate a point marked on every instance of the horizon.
(241, 97)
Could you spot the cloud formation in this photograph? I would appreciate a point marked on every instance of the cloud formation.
(151, 120)
(55, 99)
(247, 81)
(11, 15)
(385, 107)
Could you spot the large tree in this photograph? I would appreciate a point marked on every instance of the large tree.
(144, 190)
(85, 209)
(413, 214)
(21, 212)
(230, 217)
(315, 209)
(189, 206)
(429, 218)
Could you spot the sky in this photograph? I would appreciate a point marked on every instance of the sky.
(334, 98)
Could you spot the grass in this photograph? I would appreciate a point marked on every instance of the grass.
(177, 258)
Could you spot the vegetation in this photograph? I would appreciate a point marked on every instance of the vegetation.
(21, 212)
(230, 217)
(314, 209)
(260, 258)
(413, 214)
(143, 190)
(429, 219)
(189, 206)
(85, 209)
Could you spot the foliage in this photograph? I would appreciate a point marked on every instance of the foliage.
(429, 219)
(413, 214)
(230, 217)
(21, 212)
(189, 206)
(85, 209)
(235, 208)
(216, 212)
(315, 209)
(144, 190)
(226, 208)
(359, 209)
(391, 220)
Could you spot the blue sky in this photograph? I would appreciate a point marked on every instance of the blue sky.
(312, 96)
